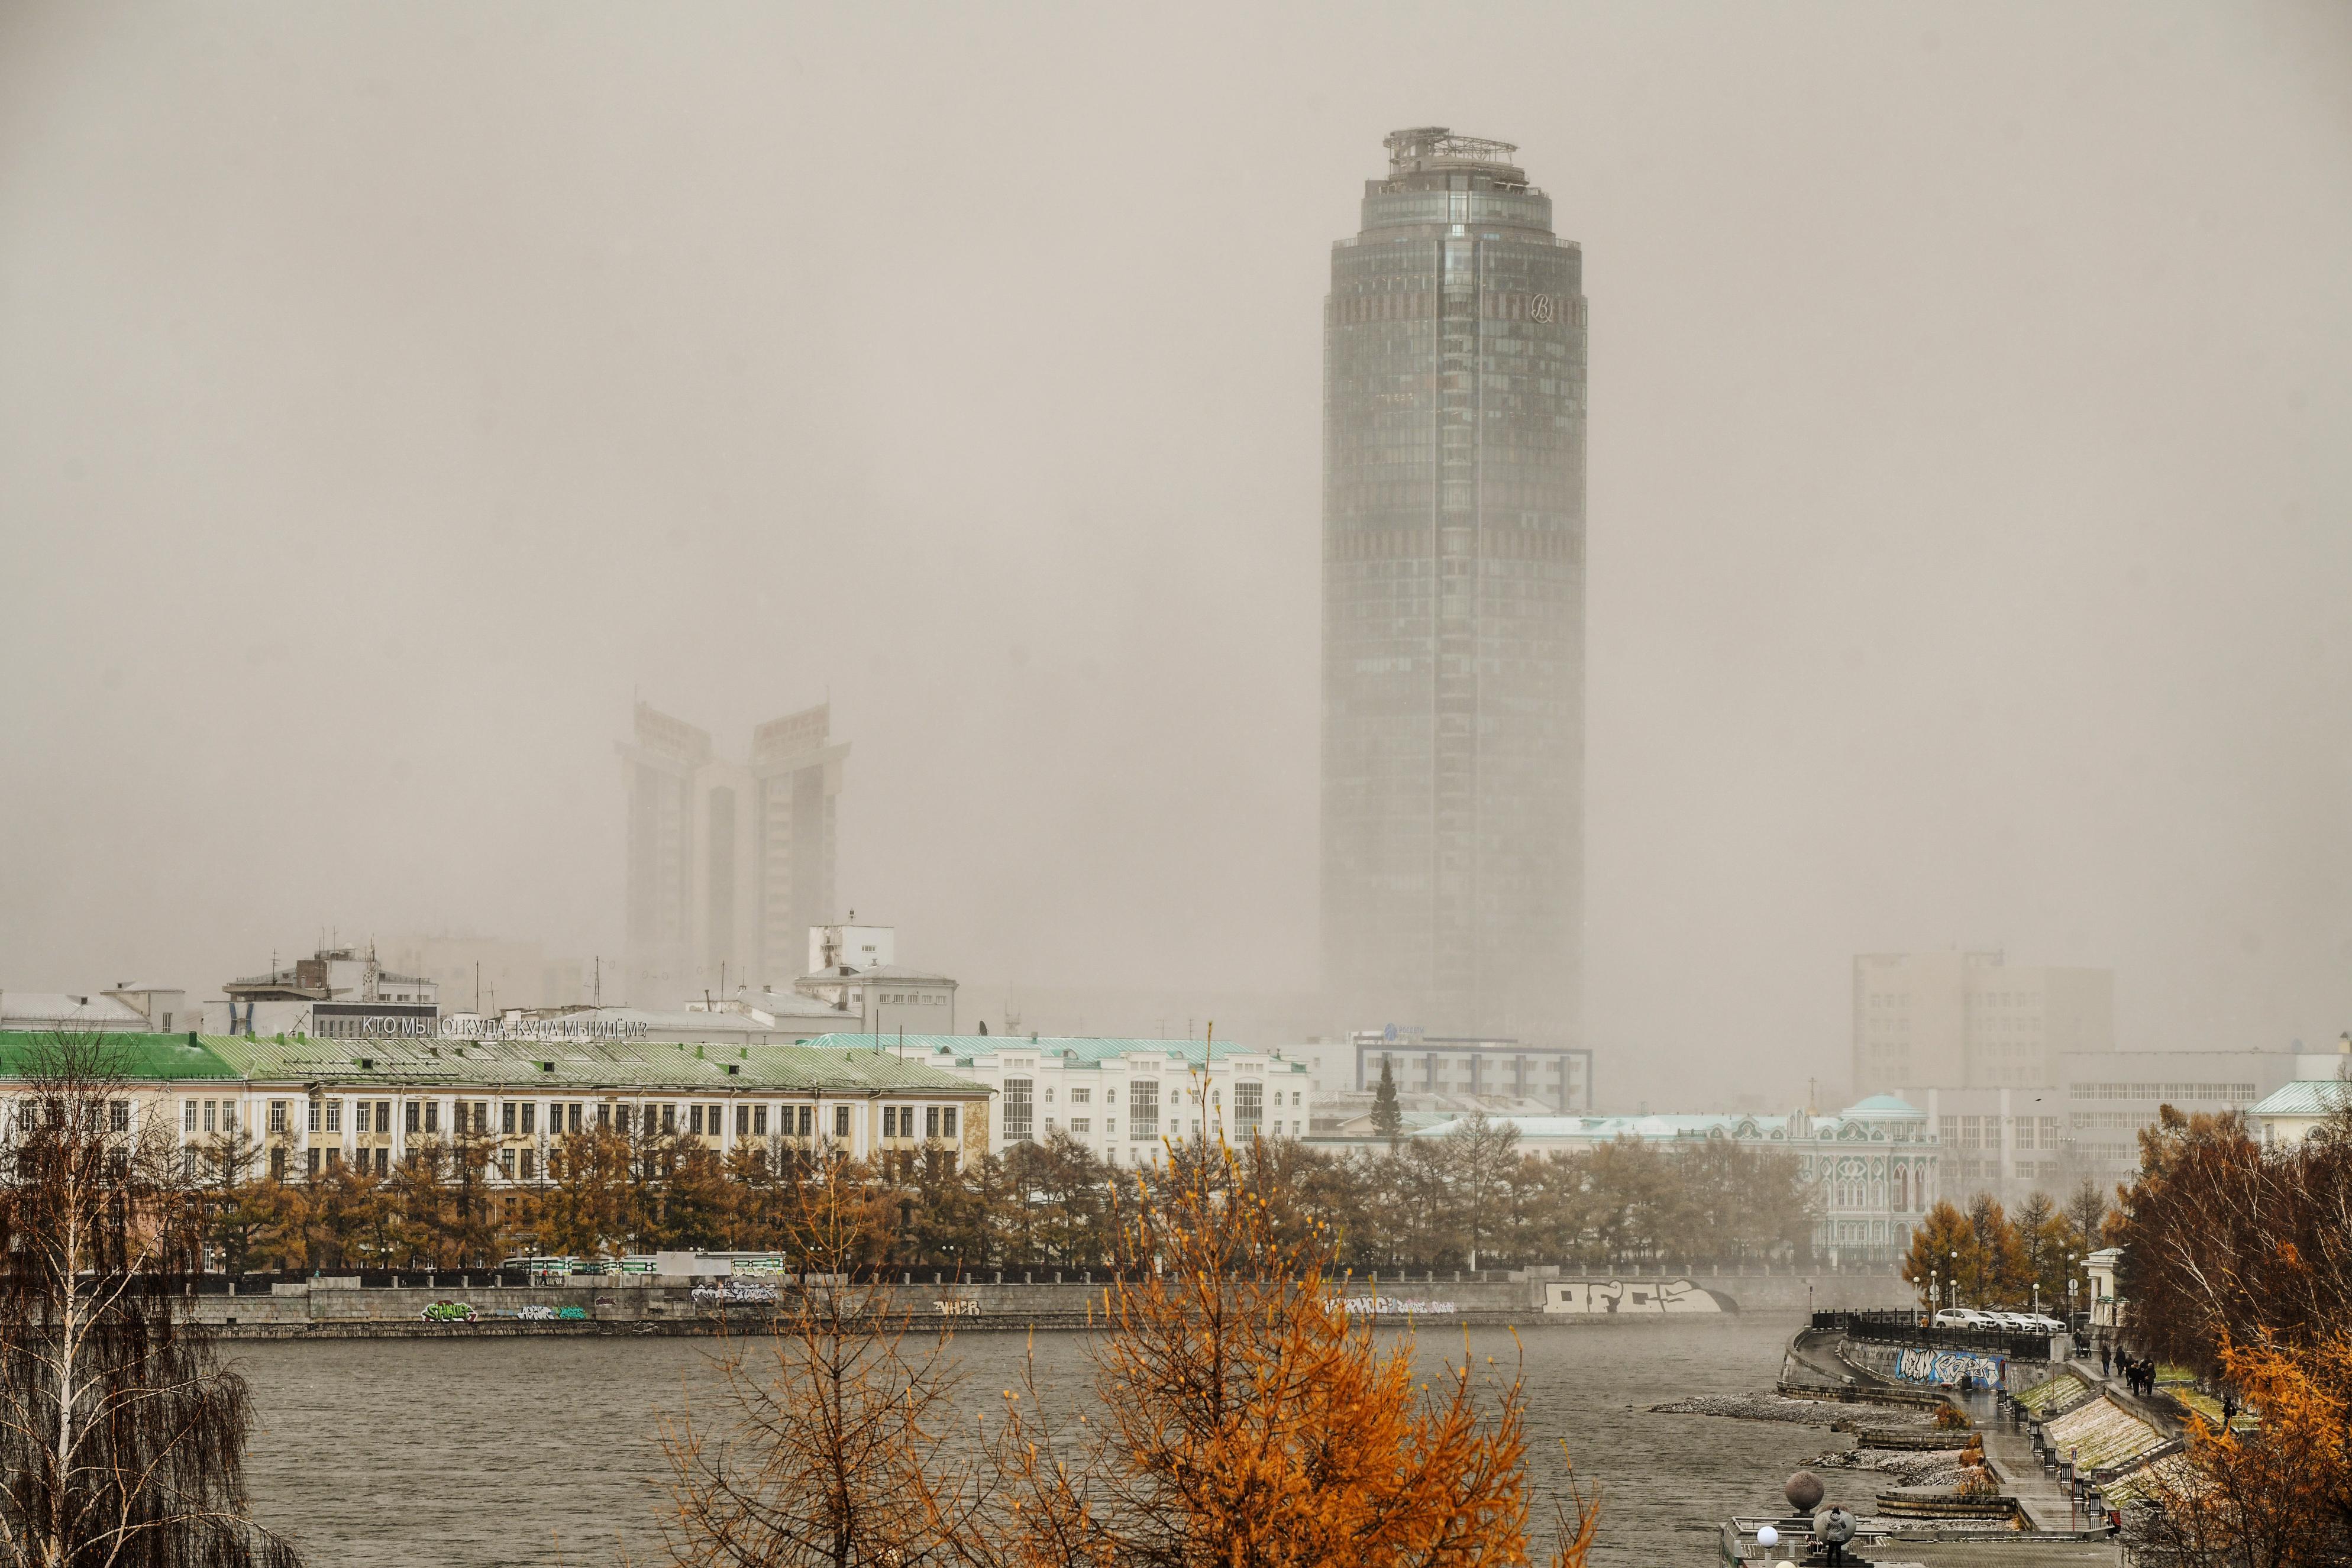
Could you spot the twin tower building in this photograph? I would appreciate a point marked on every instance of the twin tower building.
(1452, 740)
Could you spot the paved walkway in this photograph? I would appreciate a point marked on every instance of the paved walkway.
(2010, 1449)
(2047, 1505)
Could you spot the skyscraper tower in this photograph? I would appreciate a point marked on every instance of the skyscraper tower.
(1454, 358)
(728, 866)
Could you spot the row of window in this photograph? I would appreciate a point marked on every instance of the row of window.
(2243, 1092)
(523, 1118)
(901, 1121)
(1984, 1132)
(1083, 1126)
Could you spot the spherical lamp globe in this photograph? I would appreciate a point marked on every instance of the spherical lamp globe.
(1767, 1538)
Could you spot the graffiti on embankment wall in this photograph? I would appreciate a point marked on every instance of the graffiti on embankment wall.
(1943, 1366)
(1625, 1298)
(731, 1292)
(466, 1312)
(1393, 1307)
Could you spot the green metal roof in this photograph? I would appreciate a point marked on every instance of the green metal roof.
(138, 1058)
(2305, 1097)
(1077, 1050)
(577, 1065)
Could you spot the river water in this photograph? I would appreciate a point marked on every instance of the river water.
(514, 1451)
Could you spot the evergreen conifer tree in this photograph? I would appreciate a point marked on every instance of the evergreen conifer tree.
(1387, 1120)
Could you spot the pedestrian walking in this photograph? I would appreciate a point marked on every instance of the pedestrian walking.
(2107, 1359)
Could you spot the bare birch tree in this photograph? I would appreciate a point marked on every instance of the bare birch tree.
(120, 1442)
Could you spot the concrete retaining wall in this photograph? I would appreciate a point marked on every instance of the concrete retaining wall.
(341, 1310)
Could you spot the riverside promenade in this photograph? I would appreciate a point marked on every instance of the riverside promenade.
(2048, 1508)
(1820, 1363)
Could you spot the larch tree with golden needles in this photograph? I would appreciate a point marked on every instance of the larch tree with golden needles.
(1248, 1422)
(2277, 1494)
(828, 1441)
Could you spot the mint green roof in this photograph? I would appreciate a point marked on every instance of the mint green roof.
(2305, 1097)
(138, 1058)
(1881, 1104)
(1077, 1051)
(577, 1065)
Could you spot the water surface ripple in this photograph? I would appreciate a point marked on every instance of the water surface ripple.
(488, 1453)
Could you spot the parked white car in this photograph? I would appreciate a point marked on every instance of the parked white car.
(1963, 1318)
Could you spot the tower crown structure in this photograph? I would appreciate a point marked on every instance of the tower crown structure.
(1454, 601)
(1434, 150)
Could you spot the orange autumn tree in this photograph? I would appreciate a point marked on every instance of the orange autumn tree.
(1248, 1422)
(2278, 1495)
(1929, 1265)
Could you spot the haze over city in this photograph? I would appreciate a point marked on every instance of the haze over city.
(388, 399)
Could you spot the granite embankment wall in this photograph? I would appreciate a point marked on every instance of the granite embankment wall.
(329, 1310)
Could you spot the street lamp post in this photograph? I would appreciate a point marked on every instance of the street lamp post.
(1955, 1279)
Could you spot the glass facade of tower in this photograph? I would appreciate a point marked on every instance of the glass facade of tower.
(1453, 603)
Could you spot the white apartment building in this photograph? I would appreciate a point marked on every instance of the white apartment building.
(1123, 1099)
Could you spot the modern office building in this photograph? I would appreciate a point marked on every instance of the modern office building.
(1960, 1020)
(728, 866)
(1454, 522)
(1560, 1076)
(2112, 1096)
(2014, 1141)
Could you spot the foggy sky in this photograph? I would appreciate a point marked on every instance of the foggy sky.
(387, 395)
